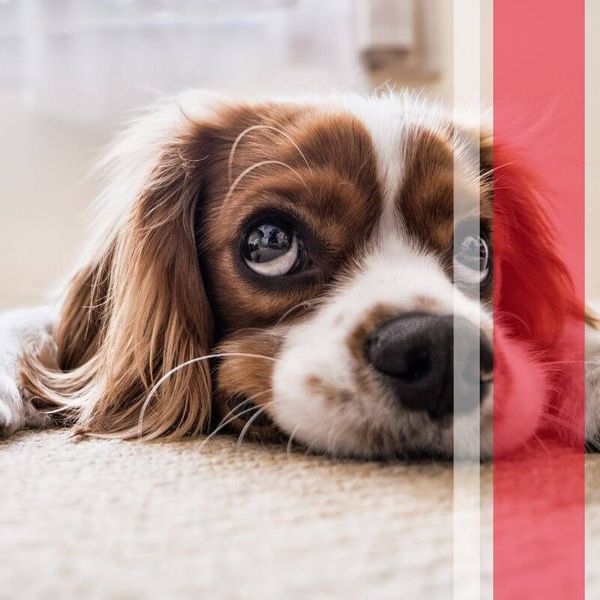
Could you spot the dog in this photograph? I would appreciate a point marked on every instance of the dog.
(294, 270)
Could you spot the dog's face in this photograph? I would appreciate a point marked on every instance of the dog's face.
(326, 240)
(324, 251)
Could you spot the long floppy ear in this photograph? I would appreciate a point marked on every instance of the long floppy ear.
(138, 309)
(533, 289)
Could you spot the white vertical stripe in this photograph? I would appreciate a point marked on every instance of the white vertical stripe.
(592, 242)
(467, 507)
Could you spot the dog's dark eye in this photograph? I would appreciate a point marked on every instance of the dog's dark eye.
(272, 249)
(472, 259)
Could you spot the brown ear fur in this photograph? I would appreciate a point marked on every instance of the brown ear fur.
(533, 290)
(136, 312)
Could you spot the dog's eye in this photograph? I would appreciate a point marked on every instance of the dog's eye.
(472, 259)
(272, 250)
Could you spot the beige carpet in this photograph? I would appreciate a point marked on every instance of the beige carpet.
(108, 519)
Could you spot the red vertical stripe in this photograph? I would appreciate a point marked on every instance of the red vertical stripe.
(539, 102)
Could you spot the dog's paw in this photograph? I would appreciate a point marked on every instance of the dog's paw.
(16, 413)
(18, 328)
(12, 409)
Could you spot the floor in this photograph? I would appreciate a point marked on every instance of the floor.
(110, 519)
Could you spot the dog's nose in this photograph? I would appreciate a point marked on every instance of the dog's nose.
(416, 354)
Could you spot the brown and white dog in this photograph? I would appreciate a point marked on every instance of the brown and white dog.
(290, 269)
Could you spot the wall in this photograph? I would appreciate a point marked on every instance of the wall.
(43, 199)
(44, 191)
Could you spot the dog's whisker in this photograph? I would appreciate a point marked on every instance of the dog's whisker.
(260, 330)
(66, 407)
(183, 365)
(304, 304)
(247, 426)
(566, 424)
(230, 418)
(330, 444)
(516, 318)
(233, 410)
(309, 449)
(540, 442)
(254, 167)
(246, 131)
(222, 426)
(291, 441)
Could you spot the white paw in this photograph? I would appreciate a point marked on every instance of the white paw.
(16, 329)
(16, 413)
(12, 412)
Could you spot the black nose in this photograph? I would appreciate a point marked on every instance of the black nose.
(415, 353)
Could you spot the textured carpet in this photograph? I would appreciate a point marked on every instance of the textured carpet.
(109, 519)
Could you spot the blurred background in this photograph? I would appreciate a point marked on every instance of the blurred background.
(72, 70)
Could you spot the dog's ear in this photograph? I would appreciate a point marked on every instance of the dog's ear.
(138, 310)
(533, 289)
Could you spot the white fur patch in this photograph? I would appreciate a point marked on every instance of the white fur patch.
(17, 329)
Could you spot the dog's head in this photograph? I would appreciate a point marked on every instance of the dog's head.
(317, 250)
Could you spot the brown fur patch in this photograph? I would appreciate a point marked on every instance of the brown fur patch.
(362, 374)
(332, 394)
(132, 317)
(328, 187)
(243, 379)
(376, 317)
(426, 200)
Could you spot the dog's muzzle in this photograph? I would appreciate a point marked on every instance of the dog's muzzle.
(414, 354)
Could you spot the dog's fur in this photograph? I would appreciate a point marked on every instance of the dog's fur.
(369, 185)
